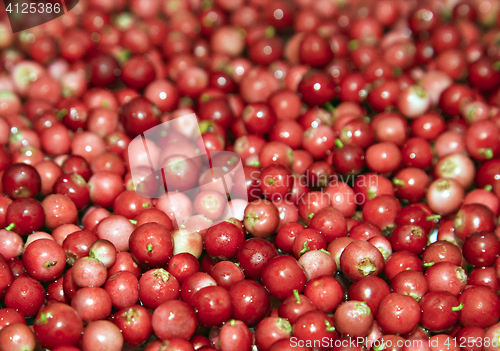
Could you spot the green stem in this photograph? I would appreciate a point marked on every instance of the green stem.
(205, 97)
(488, 153)
(488, 187)
(428, 264)
(10, 226)
(61, 113)
(270, 32)
(206, 5)
(371, 194)
(133, 221)
(43, 319)
(433, 217)
(329, 107)
(398, 182)
(304, 249)
(458, 308)
(297, 296)
(49, 264)
(329, 326)
(353, 45)
(338, 143)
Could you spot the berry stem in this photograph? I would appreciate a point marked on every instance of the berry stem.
(338, 143)
(371, 194)
(433, 217)
(270, 32)
(62, 113)
(398, 182)
(353, 45)
(304, 249)
(329, 107)
(297, 296)
(329, 326)
(488, 153)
